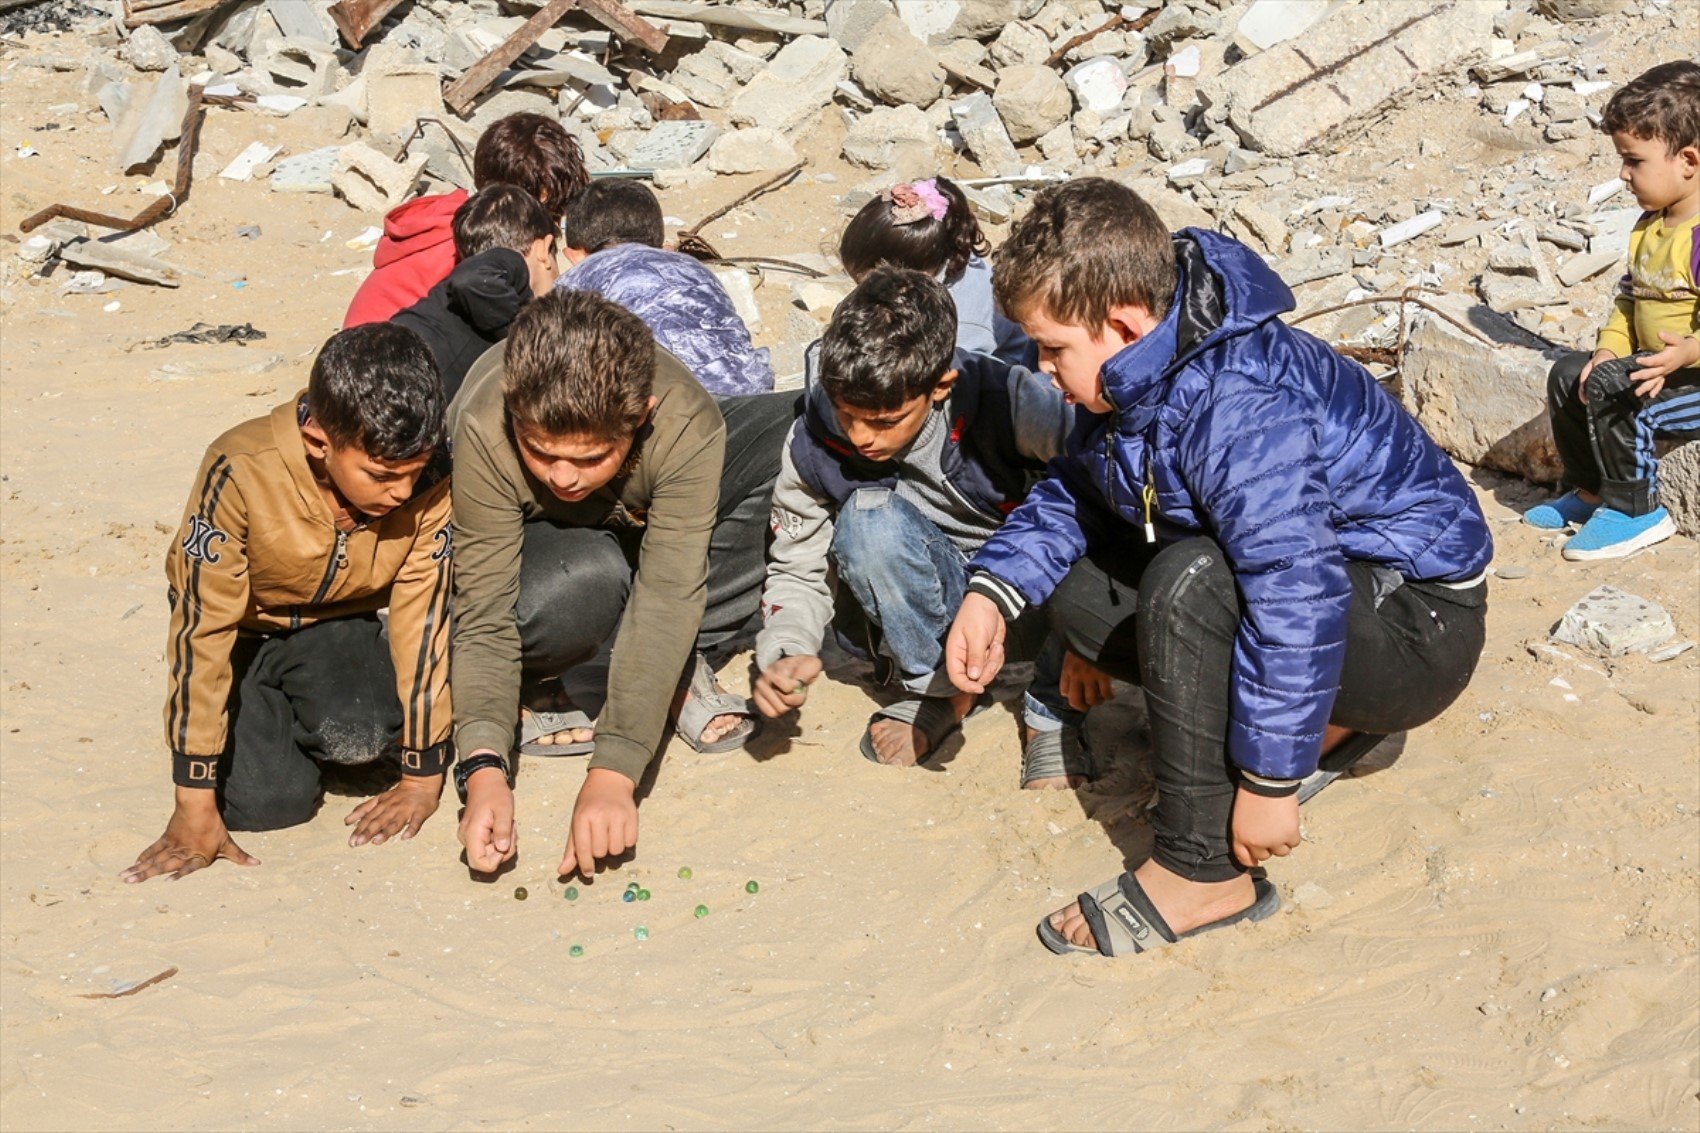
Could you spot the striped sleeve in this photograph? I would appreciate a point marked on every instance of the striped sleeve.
(419, 638)
(207, 567)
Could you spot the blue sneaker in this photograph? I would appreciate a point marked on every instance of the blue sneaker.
(1568, 510)
(1611, 535)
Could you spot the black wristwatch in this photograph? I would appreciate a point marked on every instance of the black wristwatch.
(465, 768)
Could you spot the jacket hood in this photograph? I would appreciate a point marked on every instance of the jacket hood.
(416, 226)
(1223, 289)
(489, 289)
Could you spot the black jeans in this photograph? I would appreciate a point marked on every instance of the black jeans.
(324, 694)
(1166, 619)
(574, 581)
(1606, 443)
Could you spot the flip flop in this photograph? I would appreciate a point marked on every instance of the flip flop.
(1337, 762)
(930, 715)
(706, 701)
(1058, 753)
(535, 724)
(1124, 922)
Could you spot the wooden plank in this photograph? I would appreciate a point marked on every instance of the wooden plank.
(743, 18)
(617, 18)
(180, 10)
(354, 18)
(481, 74)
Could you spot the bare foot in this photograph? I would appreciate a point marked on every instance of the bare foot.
(717, 729)
(897, 744)
(1184, 905)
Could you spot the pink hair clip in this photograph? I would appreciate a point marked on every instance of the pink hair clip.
(911, 203)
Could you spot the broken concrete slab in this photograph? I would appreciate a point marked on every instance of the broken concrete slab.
(756, 149)
(97, 256)
(242, 166)
(793, 87)
(1679, 487)
(299, 19)
(160, 120)
(1587, 265)
(668, 145)
(877, 138)
(1098, 85)
(370, 181)
(309, 172)
(1032, 100)
(298, 66)
(1613, 622)
(397, 96)
(1349, 65)
(850, 22)
(1269, 22)
(984, 134)
(1482, 404)
(895, 67)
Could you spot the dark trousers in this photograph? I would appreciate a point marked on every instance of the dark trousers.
(574, 581)
(1166, 619)
(1606, 443)
(324, 694)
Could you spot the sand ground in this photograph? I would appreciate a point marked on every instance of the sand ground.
(1497, 932)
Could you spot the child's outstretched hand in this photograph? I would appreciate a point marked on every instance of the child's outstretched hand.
(605, 822)
(402, 810)
(973, 653)
(487, 823)
(1263, 827)
(194, 839)
(784, 685)
(1679, 354)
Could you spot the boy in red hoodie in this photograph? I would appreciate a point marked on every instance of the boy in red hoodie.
(417, 251)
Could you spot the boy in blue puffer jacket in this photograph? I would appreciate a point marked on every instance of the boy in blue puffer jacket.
(1244, 523)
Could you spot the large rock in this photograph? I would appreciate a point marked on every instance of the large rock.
(755, 150)
(879, 137)
(895, 67)
(1679, 487)
(1483, 405)
(984, 134)
(850, 22)
(1020, 43)
(793, 87)
(1032, 100)
(1569, 11)
(982, 19)
(1348, 66)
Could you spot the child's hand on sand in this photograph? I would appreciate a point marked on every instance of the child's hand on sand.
(1263, 827)
(784, 685)
(487, 823)
(402, 810)
(194, 839)
(1679, 354)
(1588, 368)
(605, 822)
(1083, 684)
(973, 653)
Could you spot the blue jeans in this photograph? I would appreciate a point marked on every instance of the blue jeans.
(910, 580)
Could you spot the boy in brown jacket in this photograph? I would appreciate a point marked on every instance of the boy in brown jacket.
(302, 525)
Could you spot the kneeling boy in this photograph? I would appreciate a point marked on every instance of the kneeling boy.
(908, 455)
(302, 525)
(1245, 524)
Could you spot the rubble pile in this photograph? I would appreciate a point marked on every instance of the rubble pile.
(1268, 119)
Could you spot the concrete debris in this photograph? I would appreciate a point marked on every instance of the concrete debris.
(306, 172)
(242, 166)
(1268, 22)
(1482, 404)
(1586, 266)
(669, 145)
(895, 67)
(1098, 85)
(1350, 64)
(1612, 622)
(795, 84)
(370, 181)
(159, 120)
(983, 132)
(148, 50)
(1679, 487)
(95, 255)
(753, 150)
(1032, 100)
(878, 139)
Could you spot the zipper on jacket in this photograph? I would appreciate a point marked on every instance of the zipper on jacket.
(1149, 497)
(339, 559)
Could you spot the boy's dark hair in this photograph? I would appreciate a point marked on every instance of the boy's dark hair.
(1662, 103)
(535, 153)
(375, 387)
(1085, 246)
(499, 216)
(890, 340)
(577, 364)
(937, 247)
(614, 211)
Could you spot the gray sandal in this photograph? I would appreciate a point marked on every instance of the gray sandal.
(1059, 753)
(535, 724)
(929, 715)
(1124, 922)
(706, 701)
